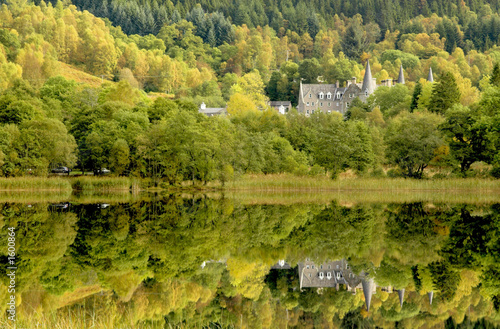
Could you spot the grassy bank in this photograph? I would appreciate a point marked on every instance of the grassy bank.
(35, 183)
(264, 183)
(90, 183)
(286, 182)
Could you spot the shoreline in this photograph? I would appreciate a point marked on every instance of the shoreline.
(257, 183)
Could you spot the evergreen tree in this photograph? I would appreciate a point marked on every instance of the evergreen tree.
(495, 75)
(444, 94)
(416, 96)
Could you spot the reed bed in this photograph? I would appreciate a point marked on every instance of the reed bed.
(85, 183)
(284, 182)
(34, 183)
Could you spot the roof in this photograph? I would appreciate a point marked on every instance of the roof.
(317, 88)
(212, 110)
(279, 103)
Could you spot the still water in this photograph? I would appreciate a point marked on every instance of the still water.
(214, 262)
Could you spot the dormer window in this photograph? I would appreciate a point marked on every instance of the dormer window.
(329, 95)
(338, 95)
(321, 95)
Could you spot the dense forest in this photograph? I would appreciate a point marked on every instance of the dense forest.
(141, 117)
(138, 263)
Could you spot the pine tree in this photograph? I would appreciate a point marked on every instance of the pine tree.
(444, 94)
(416, 96)
(495, 76)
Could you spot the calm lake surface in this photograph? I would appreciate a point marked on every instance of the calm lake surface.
(183, 261)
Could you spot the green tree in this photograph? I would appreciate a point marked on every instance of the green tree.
(444, 94)
(119, 157)
(468, 137)
(411, 140)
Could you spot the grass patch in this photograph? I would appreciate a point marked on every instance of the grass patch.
(92, 183)
(284, 182)
(34, 183)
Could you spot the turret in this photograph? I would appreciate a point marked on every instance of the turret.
(367, 80)
(401, 77)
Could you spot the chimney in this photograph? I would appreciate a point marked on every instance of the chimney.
(353, 80)
(337, 84)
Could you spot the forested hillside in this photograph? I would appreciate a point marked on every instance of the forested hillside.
(160, 135)
(473, 20)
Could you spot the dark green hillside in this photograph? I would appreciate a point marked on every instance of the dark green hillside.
(474, 20)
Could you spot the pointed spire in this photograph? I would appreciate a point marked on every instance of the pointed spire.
(401, 294)
(368, 291)
(430, 294)
(367, 80)
(430, 77)
(401, 77)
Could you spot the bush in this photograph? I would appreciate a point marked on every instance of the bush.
(395, 173)
(495, 172)
(316, 170)
(378, 173)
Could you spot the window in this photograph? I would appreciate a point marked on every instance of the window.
(307, 111)
(350, 95)
(337, 103)
(312, 267)
(312, 103)
(329, 266)
(312, 112)
(329, 111)
(329, 96)
(338, 275)
(337, 266)
(347, 104)
(309, 274)
(307, 103)
(321, 267)
(329, 104)
(366, 93)
(321, 95)
(310, 95)
(321, 104)
(338, 95)
(307, 266)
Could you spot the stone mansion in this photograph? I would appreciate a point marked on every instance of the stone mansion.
(329, 98)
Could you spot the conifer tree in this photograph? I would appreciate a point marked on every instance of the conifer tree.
(416, 96)
(495, 76)
(444, 94)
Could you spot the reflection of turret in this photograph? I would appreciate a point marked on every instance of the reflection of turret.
(401, 294)
(369, 288)
(430, 77)
(431, 295)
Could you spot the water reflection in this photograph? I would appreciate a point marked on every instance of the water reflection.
(202, 262)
